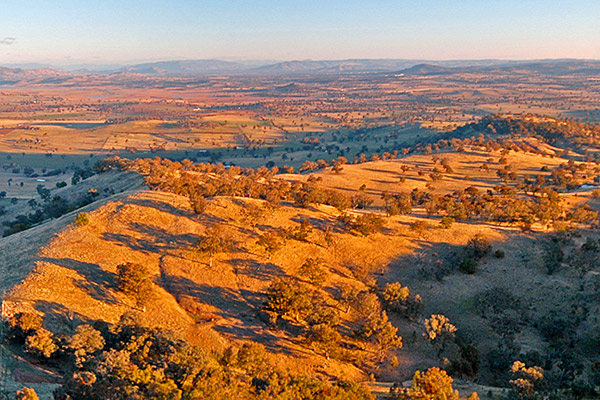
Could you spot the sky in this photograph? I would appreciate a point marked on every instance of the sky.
(64, 32)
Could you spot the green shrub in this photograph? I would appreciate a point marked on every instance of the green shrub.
(286, 297)
(447, 222)
(82, 219)
(134, 281)
(313, 271)
(478, 247)
(41, 343)
(419, 227)
(468, 265)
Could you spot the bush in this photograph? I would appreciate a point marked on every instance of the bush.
(41, 343)
(252, 357)
(399, 300)
(215, 241)
(325, 338)
(24, 324)
(468, 265)
(432, 384)
(478, 247)
(419, 227)
(313, 271)
(468, 362)
(365, 224)
(286, 297)
(380, 331)
(26, 394)
(395, 204)
(447, 222)
(82, 219)
(394, 294)
(499, 253)
(134, 281)
(198, 203)
(323, 314)
(300, 232)
(439, 328)
(86, 340)
(270, 242)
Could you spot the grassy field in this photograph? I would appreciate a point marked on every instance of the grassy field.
(67, 273)
(216, 305)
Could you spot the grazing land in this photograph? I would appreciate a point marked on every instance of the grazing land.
(279, 235)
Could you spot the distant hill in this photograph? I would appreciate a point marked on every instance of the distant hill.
(428, 69)
(408, 67)
(329, 66)
(32, 73)
(551, 67)
(184, 67)
(10, 76)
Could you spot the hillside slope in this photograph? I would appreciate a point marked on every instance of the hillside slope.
(501, 307)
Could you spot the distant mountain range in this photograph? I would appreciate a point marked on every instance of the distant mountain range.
(409, 67)
(185, 67)
(39, 72)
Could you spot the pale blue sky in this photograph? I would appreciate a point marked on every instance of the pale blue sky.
(124, 31)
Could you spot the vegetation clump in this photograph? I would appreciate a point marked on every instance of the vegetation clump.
(432, 384)
(215, 241)
(365, 224)
(447, 222)
(313, 270)
(138, 363)
(398, 299)
(134, 280)
(26, 394)
(82, 219)
(287, 298)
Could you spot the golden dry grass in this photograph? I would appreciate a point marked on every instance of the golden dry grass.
(382, 176)
(74, 275)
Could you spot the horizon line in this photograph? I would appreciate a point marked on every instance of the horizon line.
(266, 61)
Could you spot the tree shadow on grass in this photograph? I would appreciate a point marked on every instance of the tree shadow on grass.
(59, 318)
(158, 240)
(255, 270)
(162, 206)
(97, 283)
(229, 302)
(317, 223)
(164, 239)
(237, 308)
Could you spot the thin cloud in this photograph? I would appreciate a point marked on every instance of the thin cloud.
(8, 40)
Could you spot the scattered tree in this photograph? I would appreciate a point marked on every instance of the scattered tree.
(287, 298)
(270, 243)
(213, 242)
(134, 281)
(41, 343)
(313, 271)
(433, 384)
